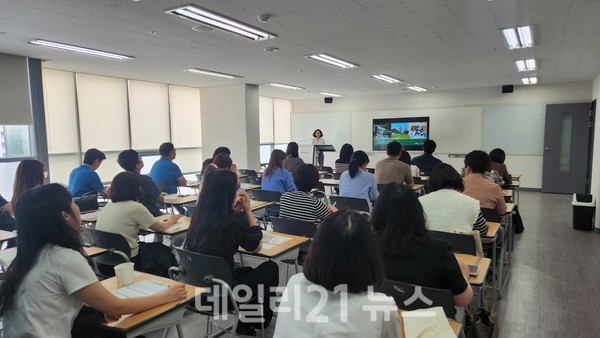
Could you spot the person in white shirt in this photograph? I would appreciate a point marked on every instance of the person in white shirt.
(318, 140)
(51, 276)
(333, 296)
(446, 207)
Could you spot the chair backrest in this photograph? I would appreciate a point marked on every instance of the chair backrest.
(199, 177)
(491, 215)
(108, 240)
(358, 204)
(295, 227)
(194, 267)
(320, 186)
(266, 195)
(162, 186)
(380, 187)
(190, 208)
(337, 175)
(329, 170)
(461, 242)
(371, 170)
(247, 172)
(431, 297)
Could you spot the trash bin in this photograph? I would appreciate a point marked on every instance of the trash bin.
(583, 211)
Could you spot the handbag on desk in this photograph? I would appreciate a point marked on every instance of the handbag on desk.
(87, 202)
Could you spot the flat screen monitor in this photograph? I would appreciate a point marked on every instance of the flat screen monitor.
(411, 132)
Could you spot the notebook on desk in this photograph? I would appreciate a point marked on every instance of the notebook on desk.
(140, 289)
(270, 241)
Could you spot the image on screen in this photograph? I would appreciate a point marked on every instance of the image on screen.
(410, 132)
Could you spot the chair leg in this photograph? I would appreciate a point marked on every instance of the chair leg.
(287, 271)
(241, 259)
(296, 264)
(179, 330)
(166, 332)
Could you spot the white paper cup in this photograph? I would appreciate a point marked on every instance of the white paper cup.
(124, 272)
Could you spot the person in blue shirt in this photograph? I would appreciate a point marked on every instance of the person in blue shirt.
(84, 178)
(426, 162)
(164, 172)
(276, 177)
(357, 182)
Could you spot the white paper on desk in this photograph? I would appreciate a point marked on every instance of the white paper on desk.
(140, 289)
(268, 246)
(89, 215)
(171, 196)
(427, 323)
(274, 239)
(178, 224)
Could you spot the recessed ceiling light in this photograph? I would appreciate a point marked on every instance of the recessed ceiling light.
(203, 28)
(417, 88)
(518, 37)
(285, 86)
(198, 14)
(332, 60)
(331, 94)
(386, 78)
(81, 50)
(526, 65)
(529, 80)
(271, 49)
(212, 73)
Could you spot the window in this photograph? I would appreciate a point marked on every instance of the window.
(17, 141)
(267, 149)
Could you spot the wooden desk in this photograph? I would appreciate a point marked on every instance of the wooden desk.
(330, 182)
(8, 255)
(166, 315)
(454, 325)
(515, 177)
(7, 235)
(278, 251)
(182, 225)
(257, 205)
(417, 187)
(424, 178)
(248, 186)
(175, 199)
(483, 266)
(507, 193)
(510, 207)
(492, 229)
(91, 216)
(192, 184)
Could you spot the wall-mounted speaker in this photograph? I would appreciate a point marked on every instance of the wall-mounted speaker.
(507, 89)
(328, 99)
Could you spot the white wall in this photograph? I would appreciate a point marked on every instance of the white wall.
(457, 109)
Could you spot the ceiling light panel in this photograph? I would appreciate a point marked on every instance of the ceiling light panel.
(386, 78)
(198, 14)
(212, 73)
(417, 88)
(518, 37)
(285, 86)
(80, 50)
(331, 94)
(529, 80)
(526, 65)
(332, 60)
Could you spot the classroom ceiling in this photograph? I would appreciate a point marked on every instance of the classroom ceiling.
(435, 44)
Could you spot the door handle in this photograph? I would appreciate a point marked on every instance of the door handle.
(548, 148)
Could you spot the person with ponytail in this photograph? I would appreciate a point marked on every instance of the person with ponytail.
(51, 277)
(357, 181)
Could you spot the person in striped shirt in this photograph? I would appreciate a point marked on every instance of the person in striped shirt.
(446, 207)
(301, 204)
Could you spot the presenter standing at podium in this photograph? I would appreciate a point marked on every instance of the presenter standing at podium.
(317, 140)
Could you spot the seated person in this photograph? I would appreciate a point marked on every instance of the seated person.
(446, 207)
(29, 174)
(489, 194)
(223, 222)
(208, 161)
(301, 204)
(342, 263)
(391, 169)
(342, 163)
(357, 181)
(292, 160)
(410, 255)
(405, 156)
(497, 157)
(131, 161)
(221, 161)
(126, 216)
(276, 177)
(52, 277)
(427, 161)
(165, 173)
(84, 178)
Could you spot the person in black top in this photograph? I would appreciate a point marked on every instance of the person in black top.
(405, 156)
(342, 163)
(131, 161)
(223, 222)
(217, 151)
(7, 221)
(427, 161)
(410, 255)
